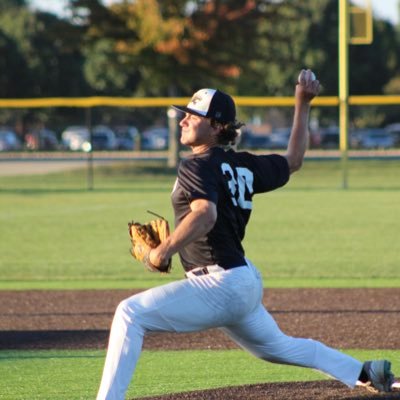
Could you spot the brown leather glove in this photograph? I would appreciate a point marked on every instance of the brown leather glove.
(145, 237)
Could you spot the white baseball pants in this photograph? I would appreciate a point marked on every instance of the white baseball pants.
(231, 300)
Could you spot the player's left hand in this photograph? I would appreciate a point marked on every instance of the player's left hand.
(157, 257)
(145, 238)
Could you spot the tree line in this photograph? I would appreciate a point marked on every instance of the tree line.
(173, 47)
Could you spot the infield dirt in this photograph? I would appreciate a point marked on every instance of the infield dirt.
(342, 318)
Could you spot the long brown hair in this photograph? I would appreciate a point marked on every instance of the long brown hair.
(229, 131)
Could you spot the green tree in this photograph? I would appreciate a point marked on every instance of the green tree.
(6, 5)
(173, 47)
(370, 66)
(13, 69)
(40, 57)
(43, 51)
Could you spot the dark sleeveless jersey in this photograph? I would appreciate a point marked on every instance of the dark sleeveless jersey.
(229, 179)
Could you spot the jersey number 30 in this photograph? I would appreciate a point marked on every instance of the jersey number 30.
(240, 184)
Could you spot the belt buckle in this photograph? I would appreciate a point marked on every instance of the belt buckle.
(201, 271)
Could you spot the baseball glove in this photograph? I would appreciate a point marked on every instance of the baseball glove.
(145, 237)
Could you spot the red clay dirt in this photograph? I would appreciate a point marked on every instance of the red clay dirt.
(342, 318)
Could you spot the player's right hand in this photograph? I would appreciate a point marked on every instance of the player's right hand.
(308, 86)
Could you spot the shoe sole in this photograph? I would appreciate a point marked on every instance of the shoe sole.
(395, 386)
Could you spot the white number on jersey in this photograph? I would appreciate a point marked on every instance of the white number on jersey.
(240, 183)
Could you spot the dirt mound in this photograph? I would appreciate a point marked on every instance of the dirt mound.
(320, 390)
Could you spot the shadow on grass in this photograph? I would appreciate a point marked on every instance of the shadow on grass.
(53, 339)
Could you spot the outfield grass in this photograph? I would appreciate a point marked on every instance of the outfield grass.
(73, 375)
(56, 234)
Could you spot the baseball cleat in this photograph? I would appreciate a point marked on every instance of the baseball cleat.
(380, 378)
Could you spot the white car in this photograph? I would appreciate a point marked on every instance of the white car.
(76, 138)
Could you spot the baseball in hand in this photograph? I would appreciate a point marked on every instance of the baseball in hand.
(313, 77)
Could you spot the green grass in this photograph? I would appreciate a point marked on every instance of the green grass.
(56, 234)
(73, 375)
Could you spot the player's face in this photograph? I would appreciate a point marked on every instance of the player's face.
(197, 131)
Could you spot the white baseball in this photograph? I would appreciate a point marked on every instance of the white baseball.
(313, 77)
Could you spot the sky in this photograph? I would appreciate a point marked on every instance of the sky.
(382, 9)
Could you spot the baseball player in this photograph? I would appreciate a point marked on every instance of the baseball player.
(212, 202)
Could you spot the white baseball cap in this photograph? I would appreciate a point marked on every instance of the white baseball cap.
(211, 103)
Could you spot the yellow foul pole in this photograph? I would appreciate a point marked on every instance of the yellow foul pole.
(344, 34)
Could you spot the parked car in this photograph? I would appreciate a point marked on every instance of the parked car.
(103, 138)
(279, 139)
(394, 130)
(374, 138)
(76, 138)
(42, 139)
(329, 137)
(155, 138)
(252, 141)
(9, 140)
(127, 137)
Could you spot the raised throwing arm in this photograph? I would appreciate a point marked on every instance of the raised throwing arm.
(306, 89)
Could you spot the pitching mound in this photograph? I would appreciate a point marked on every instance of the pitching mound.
(319, 390)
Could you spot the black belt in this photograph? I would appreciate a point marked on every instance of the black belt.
(205, 271)
(199, 272)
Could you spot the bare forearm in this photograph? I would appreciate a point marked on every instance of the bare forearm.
(306, 89)
(196, 224)
(299, 137)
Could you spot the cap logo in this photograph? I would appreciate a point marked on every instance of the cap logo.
(201, 100)
(196, 99)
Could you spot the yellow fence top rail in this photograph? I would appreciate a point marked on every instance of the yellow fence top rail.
(373, 100)
(167, 101)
